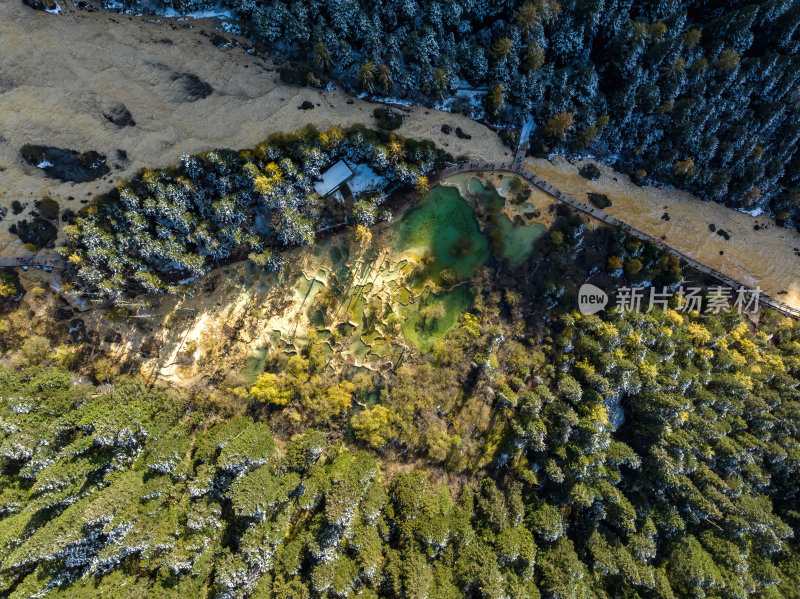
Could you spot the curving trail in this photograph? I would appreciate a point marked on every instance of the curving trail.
(518, 169)
(65, 75)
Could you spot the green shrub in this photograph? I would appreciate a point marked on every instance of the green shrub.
(292, 76)
(48, 208)
(387, 118)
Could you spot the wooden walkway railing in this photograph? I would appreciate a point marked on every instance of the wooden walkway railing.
(518, 169)
(35, 260)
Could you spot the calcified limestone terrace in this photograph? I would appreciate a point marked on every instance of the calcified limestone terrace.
(63, 73)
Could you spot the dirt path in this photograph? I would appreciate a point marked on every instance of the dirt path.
(62, 73)
(767, 256)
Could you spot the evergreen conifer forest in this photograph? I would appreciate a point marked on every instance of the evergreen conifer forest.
(702, 95)
(124, 490)
(347, 364)
(160, 231)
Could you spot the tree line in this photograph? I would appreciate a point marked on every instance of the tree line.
(697, 94)
(161, 230)
(534, 452)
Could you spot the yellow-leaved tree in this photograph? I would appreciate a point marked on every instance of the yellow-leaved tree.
(268, 388)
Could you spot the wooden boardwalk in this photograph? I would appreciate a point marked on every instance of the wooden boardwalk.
(517, 167)
(34, 260)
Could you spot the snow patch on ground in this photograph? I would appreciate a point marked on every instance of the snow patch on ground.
(754, 211)
(528, 126)
(53, 11)
(464, 97)
(616, 415)
(469, 98)
(365, 180)
(210, 13)
(217, 12)
(398, 101)
(229, 28)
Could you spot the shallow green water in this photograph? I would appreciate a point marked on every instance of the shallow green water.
(345, 329)
(359, 350)
(404, 296)
(442, 232)
(305, 289)
(255, 365)
(517, 240)
(423, 335)
(445, 224)
(486, 195)
(509, 185)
